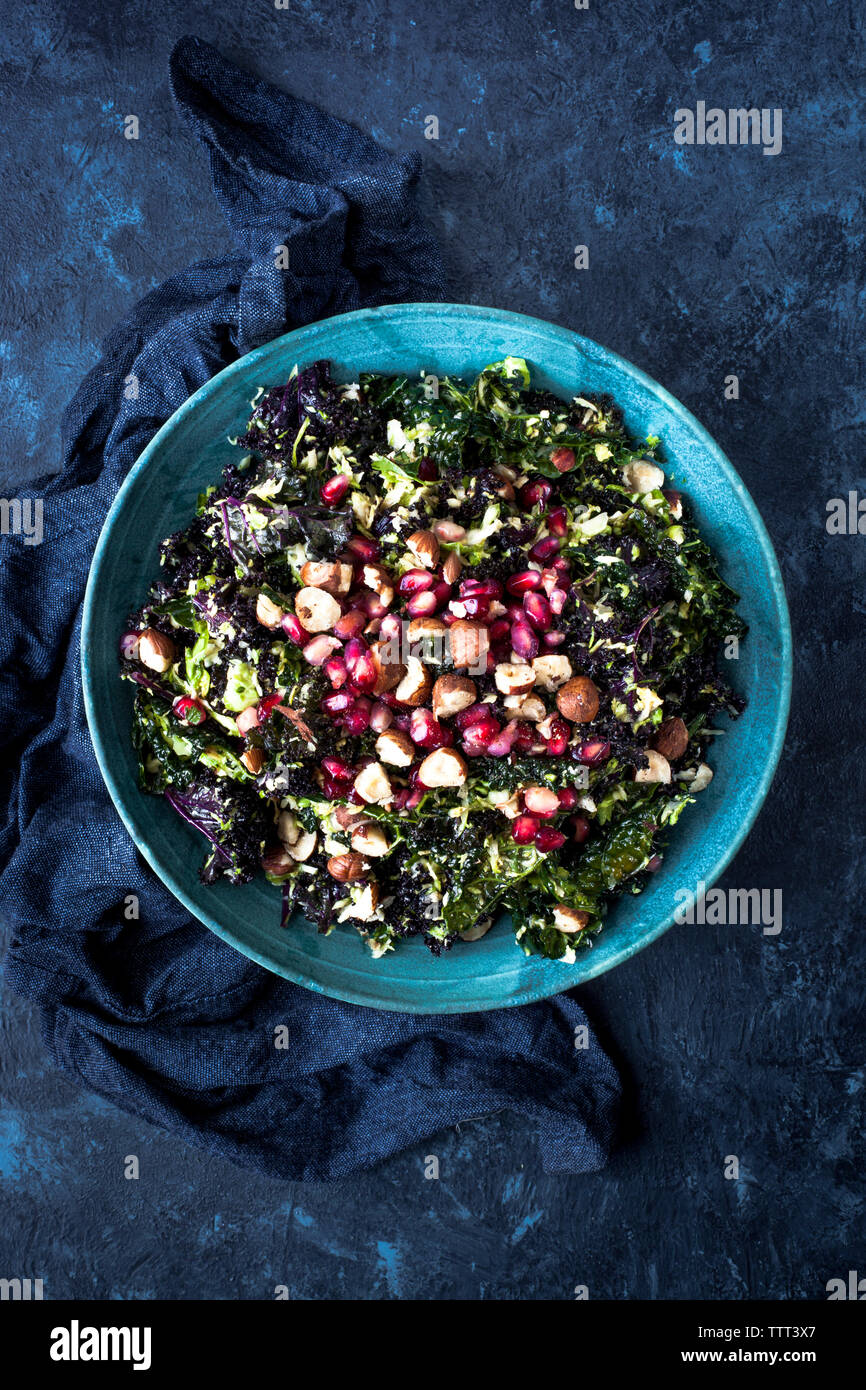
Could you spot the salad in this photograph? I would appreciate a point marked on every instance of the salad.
(432, 651)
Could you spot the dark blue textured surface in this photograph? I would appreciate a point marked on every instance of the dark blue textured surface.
(556, 129)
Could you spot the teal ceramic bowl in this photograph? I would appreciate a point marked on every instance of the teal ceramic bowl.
(159, 497)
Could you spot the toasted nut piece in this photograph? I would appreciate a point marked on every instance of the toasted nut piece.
(569, 918)
(452, 694)
(476, 931)
(513, 678)
(253, 760)
(702, 778)
(395, 747)
(364, 906)
(155, 650)
(528, 707)
(333, 576)
(469, 643)
(347, 818)
(277, 861)
(346, 867)
(659, 769)
(449, 531)
(452, 567)
(414, 688)
(373, 785)
(577, 700)
(642, 476)
(268, 613)
(288, 828)
(388, 672)
(377, 578)
(317, 610)
(303, 846)
(442, 768)
(507, 803)
(425, 547)
(370, 839)
(551, 671)
(425, 629)
(672, 739)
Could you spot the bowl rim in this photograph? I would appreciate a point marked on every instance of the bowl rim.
(125, 807)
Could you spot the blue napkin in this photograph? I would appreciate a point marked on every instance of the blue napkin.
(155, 1013)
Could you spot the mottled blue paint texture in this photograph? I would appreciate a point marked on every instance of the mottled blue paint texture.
(555, 129)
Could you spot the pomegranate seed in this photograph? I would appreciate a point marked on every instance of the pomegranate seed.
(499, 630)
(541, 801)
(448, 618)
(188, 710)
(422, 605)
(524, 737)
(562, 567)
(537, 611)
(381, 718)
(320, 648)
(129, 645)
(557, 741)
(557, 598)
(442, 592)
(334, 489)
(338, 703)
(360, 665)
(549, 580)
(372, 604)
(476, 606)
(524, 581)
(365, 549)
(481, 588)
(390, 628)
(248, 719)
(333, 790)
(524, 829)
(357, 719)
(567, 798)
(427, 471)
(524, 642)
(534, 494)
(351, 624)
(596, 750)
(547, 838)
(268, 705)
(293, 630)
(416, 581)
(340, 771)
(400, 797)
(545, 548)
(473, 714)
(479, 736)
(335, 670)
(553, 639)
(425, 730)
(562, 460)
(415, 798)
(580, 828)
(401, 720)
(557, 522)
(503, 743)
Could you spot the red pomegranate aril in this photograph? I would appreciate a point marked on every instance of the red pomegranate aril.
(482, 734)
(481, 588)
(502, 744)
(477, 606)
(524, 829)
(448, 618)
(552, 640)
(427, 471)
(499, 630)
(390, 628)
(425, 730)
(523, 582)
(415, 582)
(339, 770)
(524, 737)
(594, 751)
(293, 630)
(442, 592)
(541, 801)
(188, 710)
(562, 460)
(381, 718)
(334, 489)
(372, 604)
(422, 605)
(268, 704)
(534, 494)
(579, 828)
(544, 549)
(557, 522)
(557, 598)
(357, 719)
(338, 703)
(562, 567)
(360, 664)
(537, 611)
(416, 797)
(524, 642)
(365, 549)
(567, 798)
(320, 648)
(399, 799)
(557, 740)
(335, 670)
(547, 839)
(473, 714)
(351, 624)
